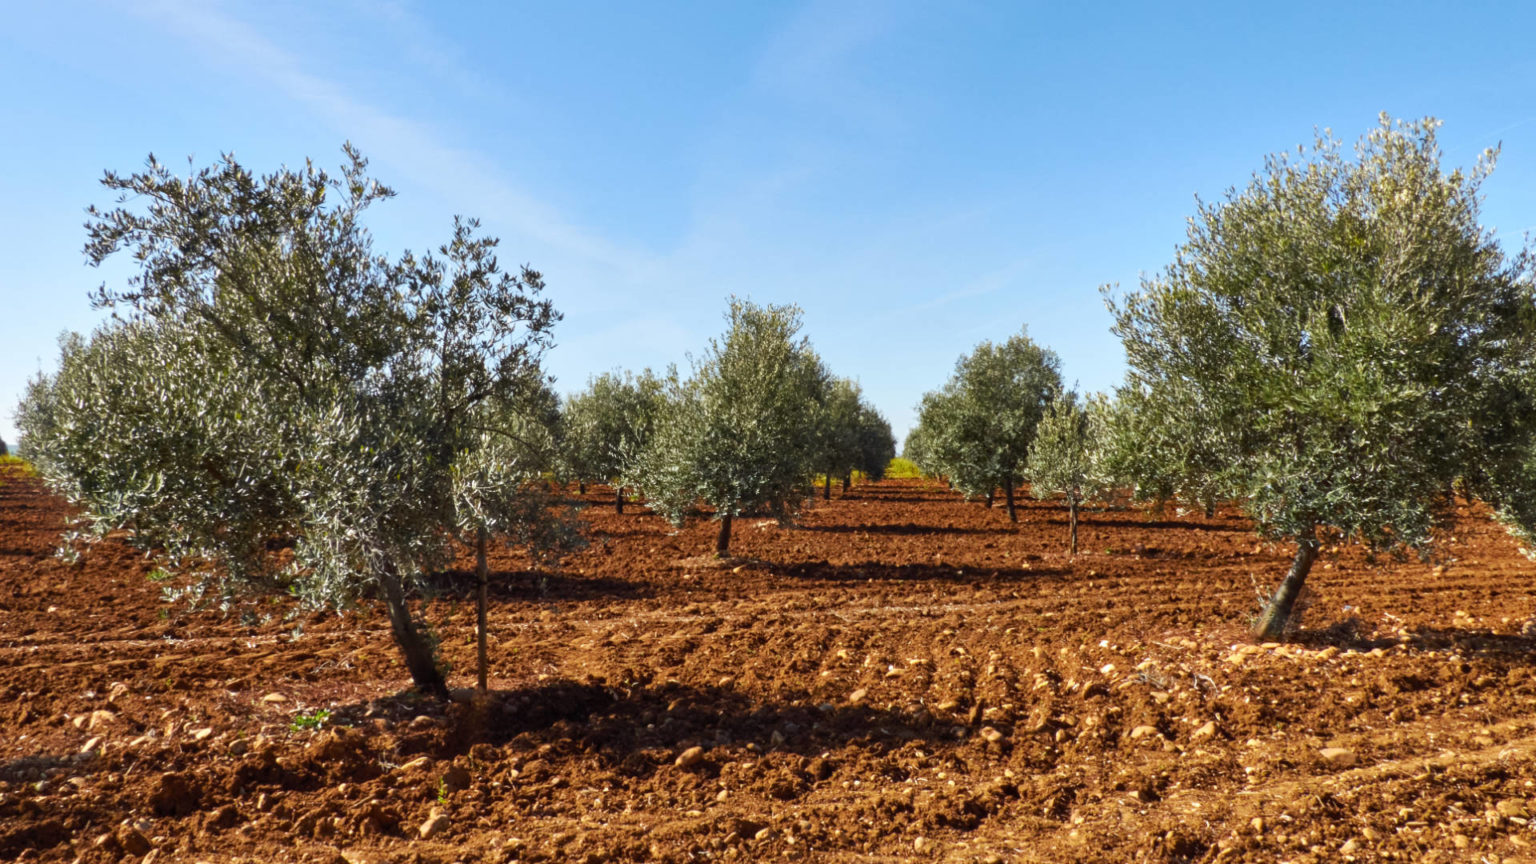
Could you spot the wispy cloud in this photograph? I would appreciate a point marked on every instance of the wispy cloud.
(455, 173)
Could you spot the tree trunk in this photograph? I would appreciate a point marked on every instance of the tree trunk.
(417, 648)
(1072, 520)
(1013, 515)
(1271, 623)
(826, 487)
(581, 487)
(618, 500)
(723, 539)
(991, 496)
(482, 600)
(1210, 508)
(847, 482)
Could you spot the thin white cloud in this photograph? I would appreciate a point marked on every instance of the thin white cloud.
(454, 173)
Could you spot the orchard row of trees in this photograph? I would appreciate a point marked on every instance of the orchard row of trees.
(274, 407)
(1337, 347)
(758, 420)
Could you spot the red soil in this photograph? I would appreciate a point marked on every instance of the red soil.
(904, 676)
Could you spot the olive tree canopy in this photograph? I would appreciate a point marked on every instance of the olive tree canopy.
(607, 425)
(978, 428)
(267, 377)
(1069, 454)
(1355, 339)
(741, 434)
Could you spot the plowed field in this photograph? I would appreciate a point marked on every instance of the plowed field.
(903, 676)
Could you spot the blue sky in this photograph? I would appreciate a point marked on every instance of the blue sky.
(917, 176)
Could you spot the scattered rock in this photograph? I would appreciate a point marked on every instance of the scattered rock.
(100, 720)
(418, 762)
(133, 841)
(92, 745)
(456, 779)
(690, 757)
(274, 698)
(1509, 807)
(1340, 756)
(1142, 731)
(238, 747)
(857, 696)
(223, 818)
(921, 844)
(992, 736)
(1350, 847)
(436, 824)
(202, 734)
(174, 796)
(1204, 732)
(118, 691)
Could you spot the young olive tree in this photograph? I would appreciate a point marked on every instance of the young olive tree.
(917, 449)
(837, 450)
(1356, 339)
(267, 380)
(1162, 447)
(1067, 458)
(740, 435)
(981, 424)
(877, 446)
(607, 425)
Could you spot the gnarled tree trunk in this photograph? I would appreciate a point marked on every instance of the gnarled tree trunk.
(482, 601)
(826, 487)
(414, 644)
(723, 539)
(618, 500)
(1072, 519)
(1013, 515)
(1271, 623)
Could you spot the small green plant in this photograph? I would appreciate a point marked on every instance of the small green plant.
(442, 790)
(312, 720)
(159, 574)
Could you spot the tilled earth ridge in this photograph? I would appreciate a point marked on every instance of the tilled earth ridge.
(903, 676)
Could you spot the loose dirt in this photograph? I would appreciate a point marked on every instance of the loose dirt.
(903, 676)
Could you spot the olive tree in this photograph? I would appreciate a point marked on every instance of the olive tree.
(877, 446)
(607, 425)
(740, 434)
(267, 380)
(1067, 458)
(837, 452)
(917, 449)
(1357, 339)
(979, 426)
(1163, 448)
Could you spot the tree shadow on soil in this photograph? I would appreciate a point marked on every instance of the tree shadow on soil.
(538, 585)
(1150, 524)
(877, 571)
(906, 528)
(1352, 634)
(639, 727)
